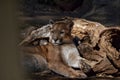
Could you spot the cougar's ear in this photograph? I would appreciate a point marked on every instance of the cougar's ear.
(51, 21)
(69, 22)
(70, 25)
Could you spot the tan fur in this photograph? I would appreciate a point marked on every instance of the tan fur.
(69, 52)
(61, 32)
(52, 52)
(55, 63)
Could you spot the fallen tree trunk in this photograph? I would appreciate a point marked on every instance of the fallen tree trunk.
(84, 28)
(110, 44)
(105, 60)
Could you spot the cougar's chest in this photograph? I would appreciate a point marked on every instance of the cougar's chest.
(70, 55)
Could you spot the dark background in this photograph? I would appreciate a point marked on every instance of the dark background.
(40, 11)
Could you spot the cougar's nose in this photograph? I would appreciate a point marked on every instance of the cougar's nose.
(55, 39)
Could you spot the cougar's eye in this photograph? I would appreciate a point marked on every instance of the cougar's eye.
(52, 31)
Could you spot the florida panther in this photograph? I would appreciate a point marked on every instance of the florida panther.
(55, 51)
(61, 37)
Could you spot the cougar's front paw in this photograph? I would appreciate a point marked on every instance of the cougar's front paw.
(82, 75)
(79, 74)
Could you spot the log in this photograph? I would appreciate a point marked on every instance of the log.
(110, 44)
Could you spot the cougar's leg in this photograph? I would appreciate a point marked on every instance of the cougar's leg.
(56, 64)
(66, 70)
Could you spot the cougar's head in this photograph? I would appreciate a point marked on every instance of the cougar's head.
(61, 32)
